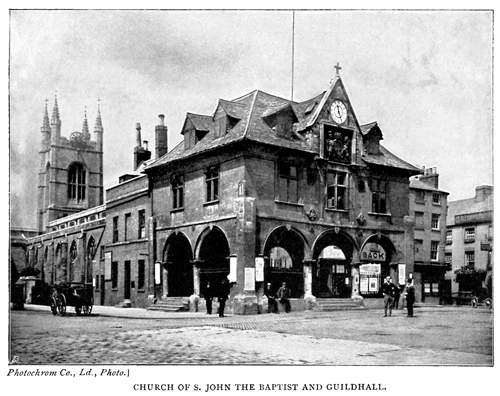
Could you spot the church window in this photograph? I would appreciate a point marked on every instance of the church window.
(178, 192)
(337, 190)
(212, 183)
(288, 186)
(379, 195)
(76, 182)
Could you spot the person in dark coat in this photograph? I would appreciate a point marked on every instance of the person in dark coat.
(397, 295)
(389, 291)
(272, 304)
(283, 295)
(410, 297)
(224, 290)
(208, 294)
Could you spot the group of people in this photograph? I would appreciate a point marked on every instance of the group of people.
(220, 291)
(282, 295)
(392, 295)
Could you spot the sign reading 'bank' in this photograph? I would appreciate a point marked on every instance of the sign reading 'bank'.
(373, 252)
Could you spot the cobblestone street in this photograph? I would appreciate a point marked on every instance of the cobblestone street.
(442, 336)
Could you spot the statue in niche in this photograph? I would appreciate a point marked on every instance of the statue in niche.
(337, 146)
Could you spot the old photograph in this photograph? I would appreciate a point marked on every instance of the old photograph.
(250, 187)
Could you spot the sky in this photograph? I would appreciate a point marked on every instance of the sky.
(425, 76)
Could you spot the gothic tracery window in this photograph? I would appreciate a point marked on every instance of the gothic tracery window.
(76, 182)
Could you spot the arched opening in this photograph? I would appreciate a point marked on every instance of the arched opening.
(77, 182)
(332, 253)
(213, 254)
(44, 263)
(284, 249)
(73, 254)
(58, 274)
(91, 250)
(375, 257)
(177, 258)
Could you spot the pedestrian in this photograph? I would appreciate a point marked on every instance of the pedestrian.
(283, 295)
(208, 294)
(224, 290)
(272, 304)
(397, 295)
(410, 297)
(389, 291)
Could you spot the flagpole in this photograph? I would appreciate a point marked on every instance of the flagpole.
(293, 50)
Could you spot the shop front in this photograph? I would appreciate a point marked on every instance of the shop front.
(373, 269)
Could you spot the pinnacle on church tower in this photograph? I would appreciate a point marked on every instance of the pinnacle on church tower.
(98, 120)
(55, 112)
(85, 126)
(46, 123)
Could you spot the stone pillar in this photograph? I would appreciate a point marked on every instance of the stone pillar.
(195, 297)
(245, 299)
(355, 263)
(79, 268)
(309, 299)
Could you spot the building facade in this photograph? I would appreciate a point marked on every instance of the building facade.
(263, 190)
(469, 242)
(428, 206)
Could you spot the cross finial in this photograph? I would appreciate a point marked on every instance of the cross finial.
(337, 69)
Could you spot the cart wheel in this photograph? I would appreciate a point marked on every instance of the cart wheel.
(53, 305)
(61, 306)
(78, 309)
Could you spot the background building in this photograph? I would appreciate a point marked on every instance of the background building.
(469, 241)
(428, 206)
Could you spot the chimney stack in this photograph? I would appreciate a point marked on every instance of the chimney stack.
(430, 176)
(161, 137)
(141, 153)
(483, 192)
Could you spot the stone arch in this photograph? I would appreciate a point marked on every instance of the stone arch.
(212, 254)
(91, 251)
(73, 257)
(332, 254)
(285, 249)
(383, 265)
(177, 260)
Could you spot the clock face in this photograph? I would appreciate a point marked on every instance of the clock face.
(338, 112)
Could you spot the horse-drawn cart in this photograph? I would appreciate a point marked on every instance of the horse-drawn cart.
(79, 295)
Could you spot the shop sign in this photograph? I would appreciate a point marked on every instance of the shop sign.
(233, 262)
(259, 269)
(373, 252)
(402, 274)
(249, 278)
(369, 269)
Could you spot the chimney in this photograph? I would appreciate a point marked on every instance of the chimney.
(483, 192)
(430, 177)
(141, 153)
(161, 137)
(145, 145)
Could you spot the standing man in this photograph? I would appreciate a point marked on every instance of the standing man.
(410, 297)
(389, 290)
(208, 294)
(224, 290)
(283, 295)
(272, 304)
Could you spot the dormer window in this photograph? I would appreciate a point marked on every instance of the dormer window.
(199, 135)
(281, 120)
(372, 135)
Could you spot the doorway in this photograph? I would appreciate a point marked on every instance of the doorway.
(126, 281)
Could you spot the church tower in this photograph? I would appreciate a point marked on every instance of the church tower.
(70, 177)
